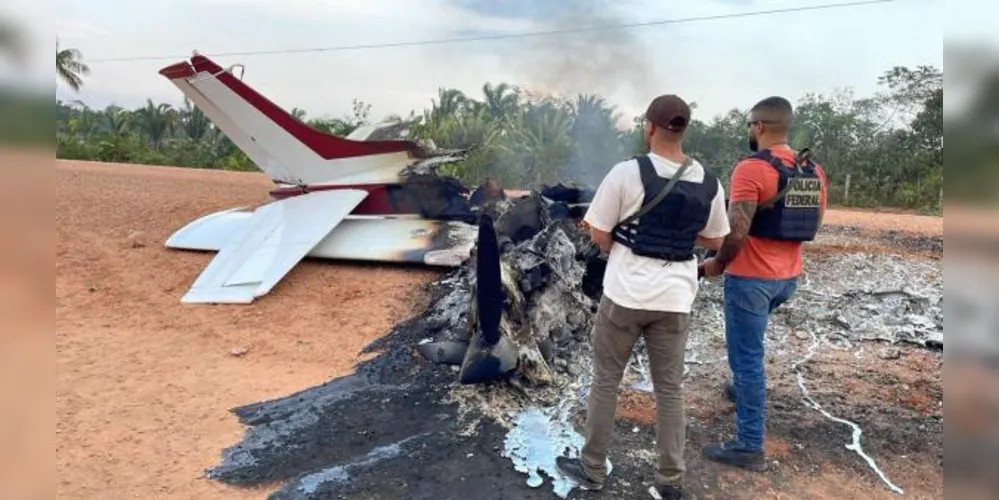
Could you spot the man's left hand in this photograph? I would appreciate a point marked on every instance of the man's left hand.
(711, 267)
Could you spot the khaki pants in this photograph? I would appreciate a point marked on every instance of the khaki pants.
(615, 331)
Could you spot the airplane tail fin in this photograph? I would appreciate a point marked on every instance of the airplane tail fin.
(286, 149)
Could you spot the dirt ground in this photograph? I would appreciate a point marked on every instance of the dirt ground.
(144, 383)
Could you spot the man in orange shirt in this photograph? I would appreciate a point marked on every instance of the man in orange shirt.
(778, 197)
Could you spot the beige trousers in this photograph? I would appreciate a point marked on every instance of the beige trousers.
(615, 331)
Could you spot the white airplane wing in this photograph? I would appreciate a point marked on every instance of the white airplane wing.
(276, 237)
(366, 238)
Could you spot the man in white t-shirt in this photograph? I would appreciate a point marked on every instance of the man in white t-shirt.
(649, 286)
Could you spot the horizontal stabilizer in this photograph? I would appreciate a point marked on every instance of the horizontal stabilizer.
(273, 240)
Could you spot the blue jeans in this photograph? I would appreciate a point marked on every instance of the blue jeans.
(748, 304)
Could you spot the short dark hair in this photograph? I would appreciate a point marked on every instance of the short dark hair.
(776, 110)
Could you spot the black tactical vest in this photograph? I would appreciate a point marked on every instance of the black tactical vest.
(669, 230)
(794, 216)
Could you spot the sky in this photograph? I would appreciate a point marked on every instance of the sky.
(718, 64)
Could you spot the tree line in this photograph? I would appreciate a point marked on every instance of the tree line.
(889, 145)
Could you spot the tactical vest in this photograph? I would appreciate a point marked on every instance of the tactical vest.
(794, 214)
(669, 230)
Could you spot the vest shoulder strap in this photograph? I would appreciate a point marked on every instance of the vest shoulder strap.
(663, 192)
(767, 156)
(802, 159)
(763, 154)
(647, 170)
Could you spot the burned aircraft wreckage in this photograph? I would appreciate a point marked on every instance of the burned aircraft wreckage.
(494, 369)
(511, 323)
(511, 296)
(499, 357)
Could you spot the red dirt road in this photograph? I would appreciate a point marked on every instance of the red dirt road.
(144, 382)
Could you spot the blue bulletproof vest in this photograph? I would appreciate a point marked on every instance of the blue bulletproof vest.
(669, 230)
(794, 214)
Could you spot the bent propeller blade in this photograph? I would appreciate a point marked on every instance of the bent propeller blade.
(491, 355)
(489, 287)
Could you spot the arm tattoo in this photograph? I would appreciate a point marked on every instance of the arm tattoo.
(740, 216)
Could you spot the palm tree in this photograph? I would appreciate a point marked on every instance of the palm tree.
(117, 119)
(70, 67)
(194, 121)
(449, 103)
(84, 125)
(540, 141)
(501, 100)
(156, 122)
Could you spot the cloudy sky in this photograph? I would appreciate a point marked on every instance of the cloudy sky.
(719, 64)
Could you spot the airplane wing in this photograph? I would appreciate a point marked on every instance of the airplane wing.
(409, 240)
(274, 239)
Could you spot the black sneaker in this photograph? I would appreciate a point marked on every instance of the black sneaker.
(728, 453)
(573, 469)
(670, 492)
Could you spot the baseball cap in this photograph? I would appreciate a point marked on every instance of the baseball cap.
(669, 112)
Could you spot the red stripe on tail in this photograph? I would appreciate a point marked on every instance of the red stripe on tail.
(325, 145)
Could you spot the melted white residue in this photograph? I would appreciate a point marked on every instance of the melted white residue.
(857, 431)
(537, 438)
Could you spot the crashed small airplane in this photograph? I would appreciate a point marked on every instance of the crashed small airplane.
(359, 197)
(370, 196)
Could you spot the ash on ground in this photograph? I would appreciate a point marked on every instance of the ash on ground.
(402, 427)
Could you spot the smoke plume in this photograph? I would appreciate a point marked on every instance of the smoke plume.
(592, 70)
(607, 62)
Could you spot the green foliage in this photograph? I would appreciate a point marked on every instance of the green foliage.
(70, 66)
(889, 145)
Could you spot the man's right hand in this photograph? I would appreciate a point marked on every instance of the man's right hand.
(710, 267)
